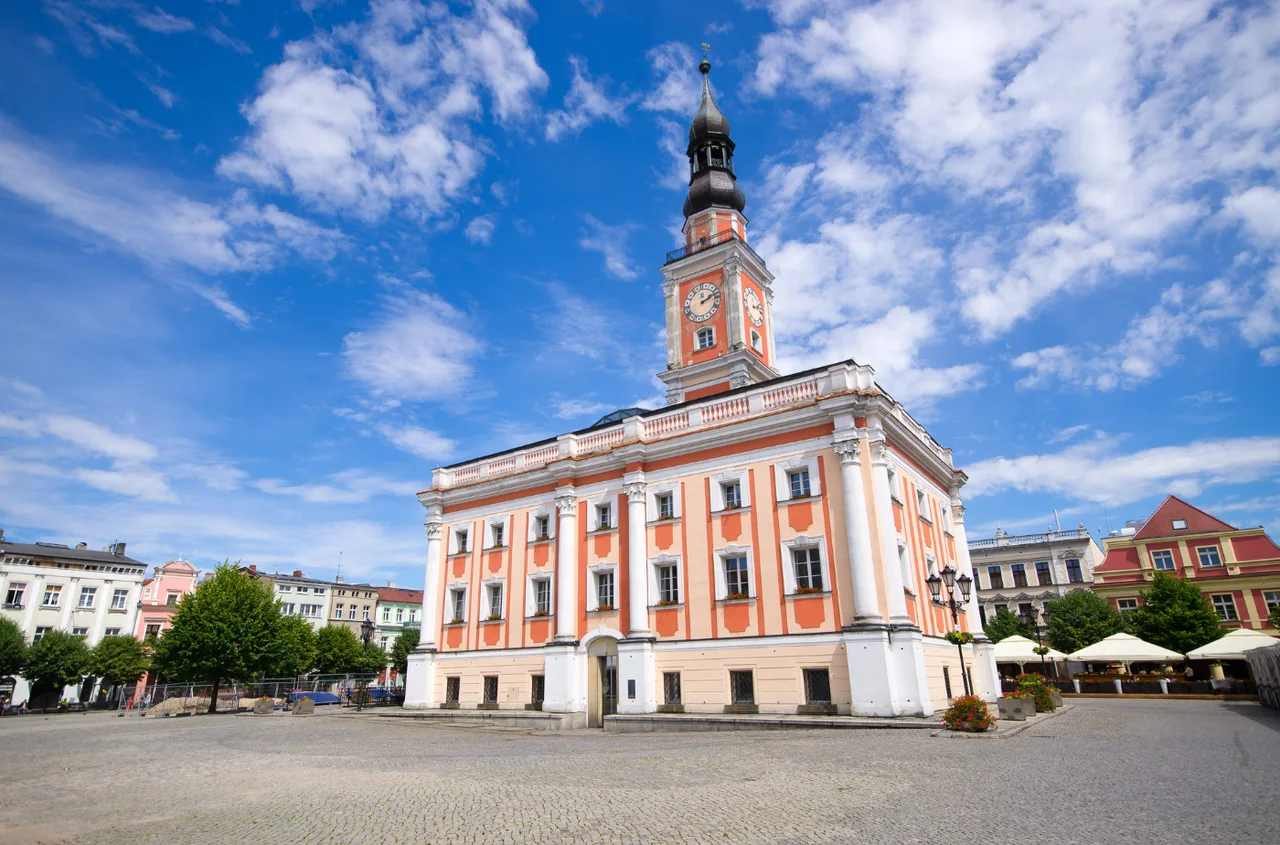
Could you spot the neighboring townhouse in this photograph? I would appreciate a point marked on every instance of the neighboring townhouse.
(1237, 568)
(1022, 572)
(398, 610)
(48, 586)
(351, 604)
(160, 595)
(300, 596)
(763, 544)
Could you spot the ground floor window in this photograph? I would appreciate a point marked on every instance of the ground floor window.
(452, 689)
(817, 686)
(490, 689)
(1225, 604)
(539, 688)
(742, 687)
(671, 687)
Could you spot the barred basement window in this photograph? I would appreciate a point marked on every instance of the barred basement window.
(946, 681)
(742, 687)
(490, 689)
(452, 689)
(539, 688)
(671, 687)
(817, 686)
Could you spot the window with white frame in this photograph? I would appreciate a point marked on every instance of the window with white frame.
(365, 612)
(337, 611)
(1209, 556)
(904, 564)
(1126, 605)
(541, 596)
(498, 533)
(458, 604)
(894, 492)
(797, 478)
(756, 343)
(87, 596)
(111, 632)
(1179, 525)
(386, 614)
(351, 612)
(706, 338)
(303, 590)
(41, 630)
(668, 578)
(798, 483)
(285, 588)
(52, 595)
(542, 527)
(413, 615)
(604, 588)
(319, 591)
(13, 596)
(1225, 604)
(922, 504)
(312, 611)
(1271, 598)
(807, 565)
(1162, 559)
(80, 632)
(460, 538)
(399, 614)
(604, 517)
(737, 582)
(493, 599)
(729, 490)
(287, 608)
(732, 493)
(666, 505)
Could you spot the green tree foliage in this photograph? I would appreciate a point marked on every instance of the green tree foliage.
(1273, 619)
(13, 648)
(1005, 624)
(57, 660)
(373, 658)
(405, 643)
(226, 630)
(295, 648)
(119, 661)
(1176, 615)
(338, 650)
(1081, 618)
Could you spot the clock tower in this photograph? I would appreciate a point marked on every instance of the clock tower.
(719, 292)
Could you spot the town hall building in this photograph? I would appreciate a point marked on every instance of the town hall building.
(762, 544)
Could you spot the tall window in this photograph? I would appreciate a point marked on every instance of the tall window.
(386, 614)
(1044, 575)
(539, 689)
(461, 538)
(452, 689)
(52, 594)
(1019, 575)
(706, 338)
(670, 687)
(1162, 559)
(542, 597)
(542, 527)
(736, 583)
(499, 532)
(732, 495)
(459, 600)
(666, 506)
(1272, 600)
(13, 597)
(87, 595)
(668, 584)
(604, 590)
(756, 343)
(399, 614)
(1074, 574)
(337, 611)
(1209, 556)
(604, 516)
(287, 608)
(495, 601)
(996, 575)
(490, 689)
(808, 566)
(798, 481)
(1225, 604)
(171, 599)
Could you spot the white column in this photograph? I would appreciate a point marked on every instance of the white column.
(637, 559)
(893, 585)
(567, 565)
(866, 606)
(100, 614)
(431, 586)
(35, 594)
(69, 599)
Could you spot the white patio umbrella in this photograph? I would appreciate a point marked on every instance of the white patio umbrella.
(1124, 648)
(1233, 645)
(1016, 649)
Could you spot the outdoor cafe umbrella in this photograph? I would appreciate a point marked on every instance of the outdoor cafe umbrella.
(1124, 648)
(1233, 645)
(1016, 649)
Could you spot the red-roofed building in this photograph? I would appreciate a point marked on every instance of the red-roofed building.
(398, 610)
(1237, 568)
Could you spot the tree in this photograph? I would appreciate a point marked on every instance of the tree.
(1176, 615)
(13, 648)
(295, 648)
(405, 643)
(119, 660)
(226, 630)
(1081, 618)
(338, 650)
(1273, 619)
(56, 660)
(1005, 624)
(373, 658)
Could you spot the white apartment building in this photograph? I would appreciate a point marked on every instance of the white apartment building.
(299, 595)
(48, 586)
(1022, 572)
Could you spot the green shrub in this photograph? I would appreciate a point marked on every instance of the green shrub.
(1035, 684)
(968, 713)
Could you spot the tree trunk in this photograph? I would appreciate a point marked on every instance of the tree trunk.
(213, 697)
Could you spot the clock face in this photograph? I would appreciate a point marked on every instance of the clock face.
(754, 310)
(702, 302)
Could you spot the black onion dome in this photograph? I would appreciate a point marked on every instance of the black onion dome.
(711, 180)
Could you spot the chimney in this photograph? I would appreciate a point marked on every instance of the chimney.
(82, 545)
(118, 550)
(391, 583)
(297, 573)
(1, 535)
(253, 567)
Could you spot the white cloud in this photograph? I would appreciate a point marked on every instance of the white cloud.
(480, 229)
(611, 242)
(166, 97)
(98, 439)
(672, 142)
(377, 113)
(1062, 435)
(1259, 209)
(572, 409)
(677, 88)
(137, 483)
(158, 20)
(1096, 471)
(584, 104)
(222, 39)
(348, 487)
(419, 441)
(419, 350)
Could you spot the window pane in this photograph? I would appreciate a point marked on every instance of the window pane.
(996, 575)
(799, 483)
(1073, 571)
(1044, 575)
(735, 577)
(732, 496)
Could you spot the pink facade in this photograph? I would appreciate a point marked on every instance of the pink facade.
(160, 593)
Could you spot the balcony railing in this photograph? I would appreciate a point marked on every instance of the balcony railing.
(1031, 539)
(707, 243)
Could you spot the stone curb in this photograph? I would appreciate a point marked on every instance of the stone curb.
(1011, 731)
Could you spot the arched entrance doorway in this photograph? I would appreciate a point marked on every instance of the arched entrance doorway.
(602, 680)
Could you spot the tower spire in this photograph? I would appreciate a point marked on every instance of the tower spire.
(711, 178)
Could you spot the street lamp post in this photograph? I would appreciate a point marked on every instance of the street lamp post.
(366, 634)
(1032, 620)
(950, 581)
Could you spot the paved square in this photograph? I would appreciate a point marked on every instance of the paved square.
(1108, 771)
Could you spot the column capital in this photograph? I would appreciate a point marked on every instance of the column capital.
(880, 452)
(957, 511)
(567, 502)
(847, 450)
(434, 528)
(635, 490)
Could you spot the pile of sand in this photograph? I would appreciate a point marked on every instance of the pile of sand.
(174, 706)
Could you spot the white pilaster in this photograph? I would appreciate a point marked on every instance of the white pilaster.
(871, 670)
(34, 597)
(637, 557)
(866, 605)
(69, 601)
(733, 302)
(636, 664)
(897, 599)
(566, 568)
(420, 679)
(985, 680)
(566, 679)
(103, 600)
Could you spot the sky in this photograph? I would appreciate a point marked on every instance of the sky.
(264, 265)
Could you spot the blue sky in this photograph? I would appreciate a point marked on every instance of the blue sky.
(264, 265)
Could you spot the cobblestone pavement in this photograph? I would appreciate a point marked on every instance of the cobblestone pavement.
(1107, 771)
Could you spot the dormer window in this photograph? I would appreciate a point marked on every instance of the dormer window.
(706, 338)
(1179, 525)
